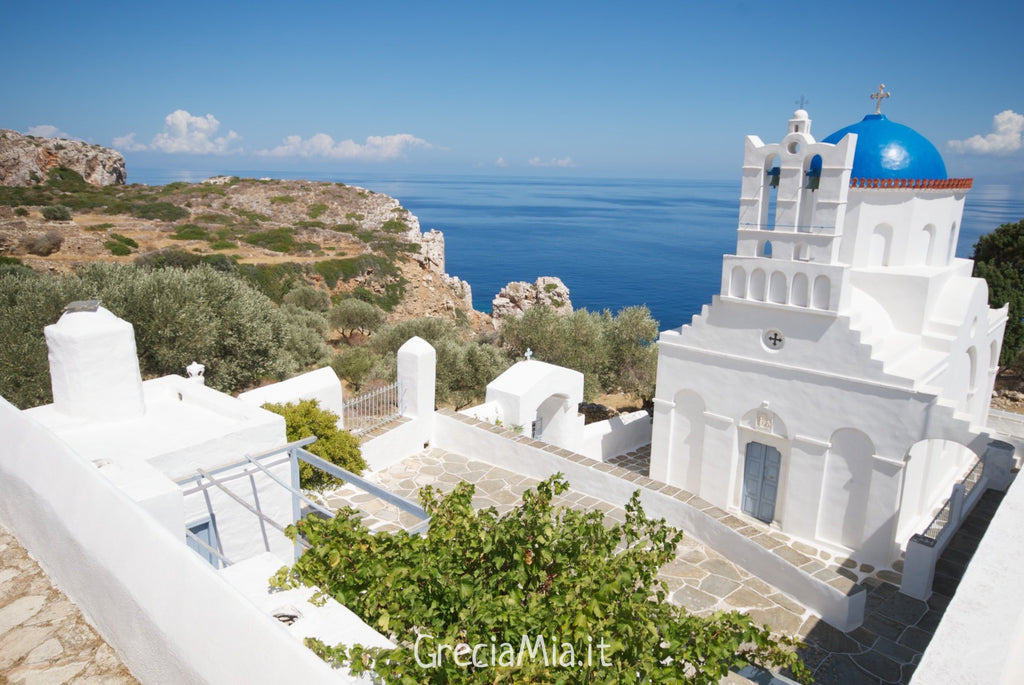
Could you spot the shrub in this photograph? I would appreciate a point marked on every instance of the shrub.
(20, 211)
(276, 239)
(45, 244)
(124, 239)
(540, 570)
(100, 227)
(223, 245)
(158, 211)
(394, 226)
(67, 180)
(189, 232)
(273, 280)
(316, 209)
(168, 257)
(353, 365)
(220, 262)
(4, 259)
(304, 346)
(340, 447)
(309, 298)
(282, 200)
(57, 213)
(117, 249)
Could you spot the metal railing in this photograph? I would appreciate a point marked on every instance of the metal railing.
(373, 409)
(252, 464)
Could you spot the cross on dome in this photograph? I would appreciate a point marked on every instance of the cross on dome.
(879, 96)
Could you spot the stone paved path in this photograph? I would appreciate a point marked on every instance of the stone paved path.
(43, 638)
(885, 649)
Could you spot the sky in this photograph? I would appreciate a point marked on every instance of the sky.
(642, 89)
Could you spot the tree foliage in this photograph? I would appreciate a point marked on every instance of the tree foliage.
(477, 578)
(306, 418)
(614, 353)
(179, 317)
(999, 259)
(464, 367)
(351, 315)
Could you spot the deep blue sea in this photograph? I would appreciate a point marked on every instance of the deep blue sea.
(614, 242)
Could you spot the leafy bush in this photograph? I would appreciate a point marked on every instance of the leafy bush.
(220, 262)
(304, 345)
(158, 211)
(189, 232)
(106, 225)
(278, 240)
(354, 366)
(45, 244)
(999, 259)
(282, 200)
(273, 280)
(223, 245)
(20, 211)
(316, 209)
(309, 298)
(169, 257)
(340, 447)
(394, 226)
(57, 213)
(477, 578)
(124, 240)
(67, 180)
(118, 249)
(4, 259)
(252, 217)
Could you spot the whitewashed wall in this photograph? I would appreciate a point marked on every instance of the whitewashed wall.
(162, 608)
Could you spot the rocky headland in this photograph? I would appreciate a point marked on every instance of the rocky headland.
(27, 160)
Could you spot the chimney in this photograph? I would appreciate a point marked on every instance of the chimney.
(94, 367)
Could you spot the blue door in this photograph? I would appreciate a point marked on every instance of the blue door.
(761, 481)
(205, 531)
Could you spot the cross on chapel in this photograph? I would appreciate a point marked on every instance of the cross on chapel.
(775, 339)
(879, 96)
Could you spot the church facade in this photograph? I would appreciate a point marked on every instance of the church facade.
(839, 384)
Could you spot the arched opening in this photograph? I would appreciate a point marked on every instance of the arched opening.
(772, 174)
(777, 289)
(765, 249)
(972, 373)
(738, 282)
(845, 488)
(932, 466)
(881, 246)
(928, 248)
(757, 285)
(808, 198)
(993, 356)
(802, 252)
(822, 292)
(799, 294)
(553, 419)
(952, 244)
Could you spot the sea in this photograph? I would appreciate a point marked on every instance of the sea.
(614, 242)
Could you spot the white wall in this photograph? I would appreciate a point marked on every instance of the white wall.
(603, 440)
(159, 605)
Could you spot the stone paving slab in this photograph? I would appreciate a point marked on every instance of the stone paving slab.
(43, 637)
(885, 649)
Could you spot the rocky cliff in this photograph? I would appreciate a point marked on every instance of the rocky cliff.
(26, 160)
(518, 296)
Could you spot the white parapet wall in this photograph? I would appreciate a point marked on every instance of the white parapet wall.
(842, 607)
(163, 609)
(321, 385)
(621, 434)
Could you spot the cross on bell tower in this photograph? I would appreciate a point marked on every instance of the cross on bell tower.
(879, 96)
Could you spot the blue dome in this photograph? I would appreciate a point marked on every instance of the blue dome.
(886, 149)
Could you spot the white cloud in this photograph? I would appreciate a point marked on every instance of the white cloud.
(324, 146)
(500, 162)
(184, 133)
(1007, 127)
(48, 131)
(564, 162)
(128, 143)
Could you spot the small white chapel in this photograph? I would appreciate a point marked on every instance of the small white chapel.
(839, 384)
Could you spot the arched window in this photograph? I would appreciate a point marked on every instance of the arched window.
(765, 250)
(881, 246)
(772, 174)
(757, 285)
(738, 282)
(799, 294)
(822, 292)
(777, 288)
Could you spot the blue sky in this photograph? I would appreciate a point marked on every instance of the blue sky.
(583, 88)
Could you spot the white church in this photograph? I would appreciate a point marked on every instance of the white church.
(840, 382)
